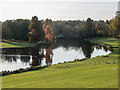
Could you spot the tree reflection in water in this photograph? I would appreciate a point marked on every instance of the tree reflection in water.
(25, 59)
(37, 55)
(49, 55)
(87, 49)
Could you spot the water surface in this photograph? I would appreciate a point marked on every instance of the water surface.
(60, 51)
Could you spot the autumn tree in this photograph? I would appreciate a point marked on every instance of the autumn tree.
(48, 28)
(35, 30)
(102, 29)
(115, 26)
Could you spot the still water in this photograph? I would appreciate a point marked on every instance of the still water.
(60, 51)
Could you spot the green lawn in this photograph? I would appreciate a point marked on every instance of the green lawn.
(13, 44)
(98, 72)
(19, 44)
(103, 40)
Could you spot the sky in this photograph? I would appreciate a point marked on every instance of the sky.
(58, 9)
(59, 0)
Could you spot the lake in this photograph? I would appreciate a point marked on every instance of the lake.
(60, 51)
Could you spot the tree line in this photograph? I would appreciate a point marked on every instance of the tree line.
(71, 29)
(86, 29)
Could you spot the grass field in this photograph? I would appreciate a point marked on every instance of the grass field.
(19, 44)
(13, 44)
(98, 72)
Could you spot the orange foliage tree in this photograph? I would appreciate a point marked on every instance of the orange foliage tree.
(48, 30)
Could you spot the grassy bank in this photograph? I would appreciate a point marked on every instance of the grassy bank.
(98, 72)
(18, 44)
(114, 42)
(14, 44)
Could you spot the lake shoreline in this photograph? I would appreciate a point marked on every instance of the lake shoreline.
(98, 68)
(21, 70)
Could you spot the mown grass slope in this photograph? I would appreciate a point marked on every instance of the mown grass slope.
(98, 72)
(15, 44)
